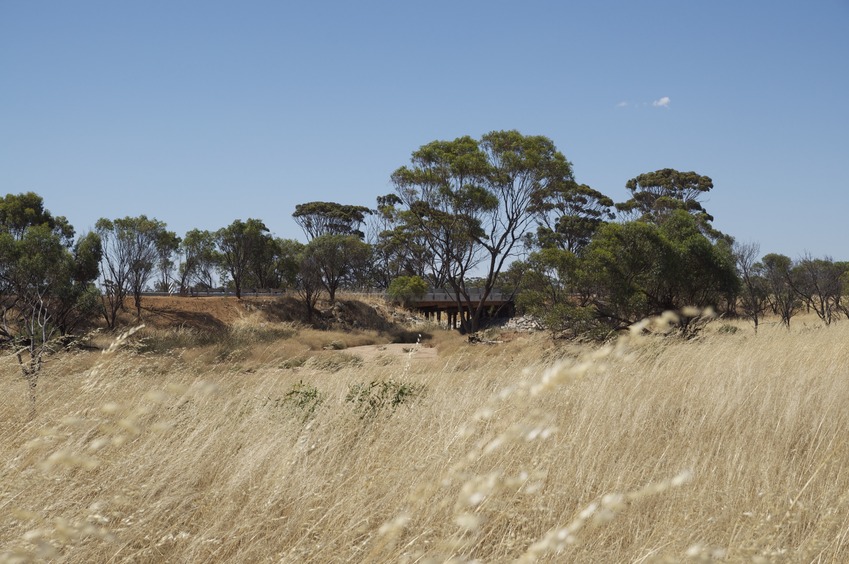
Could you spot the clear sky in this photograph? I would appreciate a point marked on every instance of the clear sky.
(198, 113)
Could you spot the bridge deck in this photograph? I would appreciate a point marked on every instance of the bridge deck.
(434, 304)
(447, 298)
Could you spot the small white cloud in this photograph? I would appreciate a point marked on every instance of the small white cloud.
(622, 105)
(662, 103)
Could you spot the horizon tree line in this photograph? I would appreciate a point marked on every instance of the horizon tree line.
(503, 210)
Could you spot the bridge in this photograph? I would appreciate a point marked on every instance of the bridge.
(435, 303)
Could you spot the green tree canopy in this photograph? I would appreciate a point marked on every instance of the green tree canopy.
(133, 247)
(288, 261)
(262, 263)
(330, 218)
(470, 202)
(239, 244)
(339, 259)
(46, 281)
(404, 289)
(199, 259)
(638, 269)
(655, 195)
(569, 214)
(777, 272)
(19, 212)
(167, 245)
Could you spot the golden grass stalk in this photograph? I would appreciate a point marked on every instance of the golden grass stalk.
(727, 447)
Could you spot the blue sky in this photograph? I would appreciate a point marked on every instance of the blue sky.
(199, 113)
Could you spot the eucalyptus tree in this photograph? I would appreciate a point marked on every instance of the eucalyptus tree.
(445, 200)
(239, 244)
(330, 218)
(638, 269)
(308, 281)
(396, 250)
(471, 202)
(778, 275)
(262, 271)
(199, 259)
(569, 214)
(339, 259)
(754, 297)
(405, 289)
(19, 212)
(167, 246)
(627, 264)
(550, 287)
(287, 262)
(46, 281)
(132, 249)
(819, 283)
(655, 195)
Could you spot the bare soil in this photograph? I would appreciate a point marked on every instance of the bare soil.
(414, 352)
(206, 312)
(214, 313)
(218, 312)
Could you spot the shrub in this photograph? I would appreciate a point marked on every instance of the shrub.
(333, 362)
(161, 342)
(381, 396)
(165, 341)
(304, 398)
(570, 321)
(294, 362)
(252, 334)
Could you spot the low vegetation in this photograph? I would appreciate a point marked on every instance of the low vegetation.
(382, 396)
(729, 446)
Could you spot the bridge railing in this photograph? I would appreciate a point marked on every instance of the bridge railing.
(474, 296)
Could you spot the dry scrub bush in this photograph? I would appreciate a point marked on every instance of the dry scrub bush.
(239, 342)
(333, 361)
(730, 447)
(320, 340)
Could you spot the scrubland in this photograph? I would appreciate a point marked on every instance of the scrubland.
(728, 447)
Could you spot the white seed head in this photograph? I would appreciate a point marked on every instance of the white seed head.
(468, 521)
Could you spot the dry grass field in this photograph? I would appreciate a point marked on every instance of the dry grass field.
(730, 447)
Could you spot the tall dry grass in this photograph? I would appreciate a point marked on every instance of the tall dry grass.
(729, 447)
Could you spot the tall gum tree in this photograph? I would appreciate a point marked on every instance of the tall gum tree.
(339, 259)
(569, 214)
(132, 250)
(753, 291)
(46, 281)
(472, 201)
(330, 218)
(778, 275)
(238, 244)
(656, 195)
(396, 250)
(199, 258)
